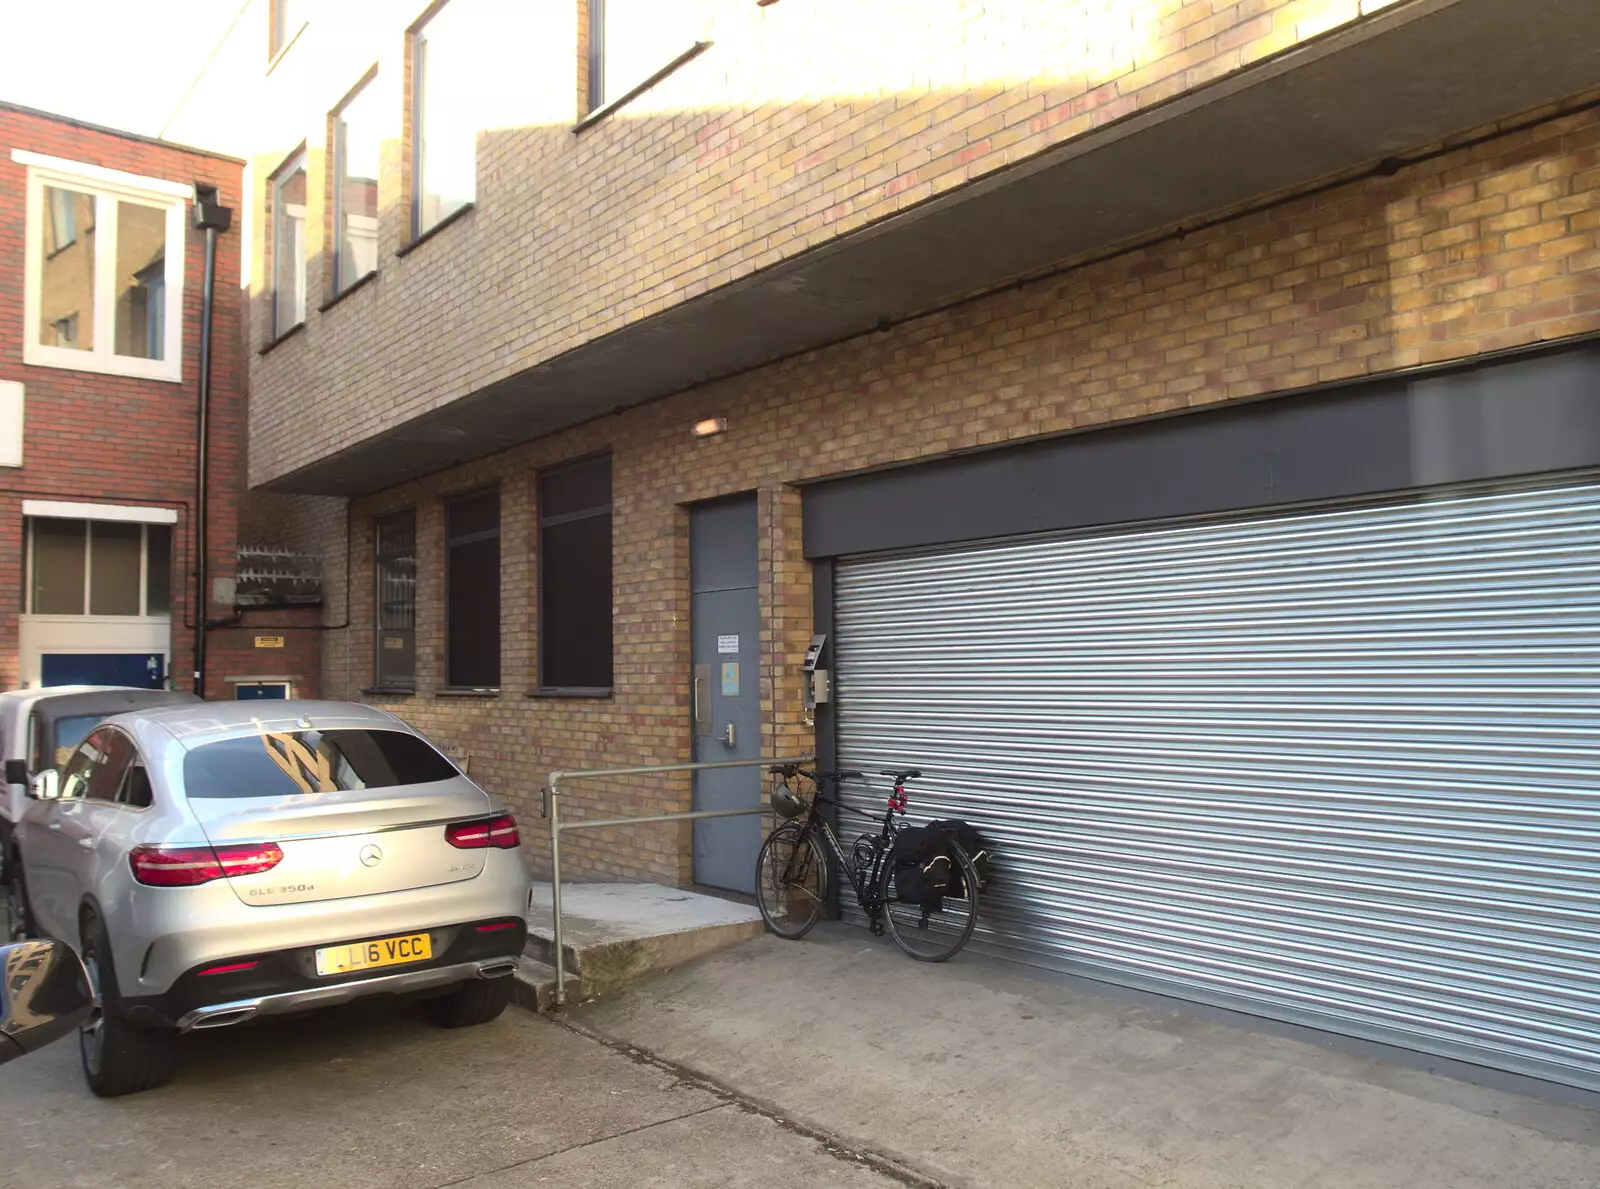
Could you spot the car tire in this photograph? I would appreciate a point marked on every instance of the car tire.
(118, 1058)
(475, 1002)
(20, 924)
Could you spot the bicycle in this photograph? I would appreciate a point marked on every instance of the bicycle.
(793, 870)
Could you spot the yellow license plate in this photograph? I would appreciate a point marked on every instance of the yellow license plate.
(369, 955)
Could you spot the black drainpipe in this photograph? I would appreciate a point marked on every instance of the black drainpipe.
(211, 217)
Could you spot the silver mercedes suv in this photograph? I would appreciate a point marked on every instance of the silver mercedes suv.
(221, 861)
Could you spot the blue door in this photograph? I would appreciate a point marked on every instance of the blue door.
(144, 670)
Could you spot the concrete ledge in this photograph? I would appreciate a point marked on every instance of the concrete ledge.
(615, 934)
(534, 986)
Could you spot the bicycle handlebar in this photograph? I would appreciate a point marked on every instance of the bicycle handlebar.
(788, 770)
(897, 799)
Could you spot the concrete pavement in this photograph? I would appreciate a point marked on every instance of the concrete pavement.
(371, 1096)
(974, 1074)
(830, 1062)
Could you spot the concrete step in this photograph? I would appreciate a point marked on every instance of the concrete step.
(615, 934)
(535, 986)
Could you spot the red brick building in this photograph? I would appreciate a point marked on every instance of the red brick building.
(101, 284)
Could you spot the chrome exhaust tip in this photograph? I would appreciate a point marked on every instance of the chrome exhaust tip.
(213, 1017)
(497, 969)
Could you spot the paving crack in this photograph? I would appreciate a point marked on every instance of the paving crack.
(835, 1146)
(577, 1147)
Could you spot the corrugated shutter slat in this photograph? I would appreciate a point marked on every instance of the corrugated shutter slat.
(1335, 766)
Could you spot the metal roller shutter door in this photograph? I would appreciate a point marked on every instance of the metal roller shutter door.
(1334, 766)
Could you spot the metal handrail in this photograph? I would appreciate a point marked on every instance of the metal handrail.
(553, 813)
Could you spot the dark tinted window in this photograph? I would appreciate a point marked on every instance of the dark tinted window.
(472, 591)
(76, 772)
(581, 487)
(114, 561)
(292, 763)
(95, 771)
(59, 552)
(395, 549)
(158, 569)
(136, 790)
(575, 576)
(112, 555)
(116, 753)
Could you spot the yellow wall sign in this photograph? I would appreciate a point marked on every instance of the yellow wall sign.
(269, 641)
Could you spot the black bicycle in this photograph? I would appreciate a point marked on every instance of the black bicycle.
(793, 870)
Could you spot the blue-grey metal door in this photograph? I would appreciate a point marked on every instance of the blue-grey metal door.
(726, 709)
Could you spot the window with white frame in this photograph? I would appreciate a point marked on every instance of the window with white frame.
(630, 40)
(103, 267)
(446, 110)
(288, 200)
(98, 567)
(357, 148)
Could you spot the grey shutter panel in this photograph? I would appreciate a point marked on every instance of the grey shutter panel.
(1334, 766)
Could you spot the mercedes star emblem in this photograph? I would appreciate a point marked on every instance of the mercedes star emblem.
(371, 856)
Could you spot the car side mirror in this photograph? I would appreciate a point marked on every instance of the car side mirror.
(44, 995)
(16, 771)
(46, 786)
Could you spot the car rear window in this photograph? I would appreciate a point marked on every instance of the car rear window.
(296, 763)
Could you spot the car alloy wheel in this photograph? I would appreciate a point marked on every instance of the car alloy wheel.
(91, 1037)
(118, 1058)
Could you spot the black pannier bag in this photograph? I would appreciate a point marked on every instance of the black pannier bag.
(921, 865)
(968, 839)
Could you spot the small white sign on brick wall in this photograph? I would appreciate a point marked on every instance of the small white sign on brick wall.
(10, 423)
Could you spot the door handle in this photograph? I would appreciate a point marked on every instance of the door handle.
(729, 739)
(55, 826)
(86, 843)
(702, 712)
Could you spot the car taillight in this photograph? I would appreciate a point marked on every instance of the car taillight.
(500, 831)
(186, 866)
(229, 968)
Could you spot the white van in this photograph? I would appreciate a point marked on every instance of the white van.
(39, 728)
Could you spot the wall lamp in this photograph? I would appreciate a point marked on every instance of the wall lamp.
(710, 427)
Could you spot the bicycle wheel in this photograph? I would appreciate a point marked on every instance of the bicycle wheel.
(933, 936)
(791, 881)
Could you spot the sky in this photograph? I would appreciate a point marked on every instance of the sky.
(122, 63)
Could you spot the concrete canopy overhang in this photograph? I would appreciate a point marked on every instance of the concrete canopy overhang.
(1411, 75)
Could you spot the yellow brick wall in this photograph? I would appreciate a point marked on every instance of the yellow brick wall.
(805, 120)
(1487, 247)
